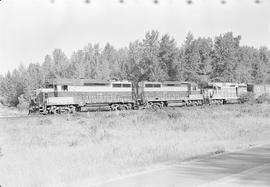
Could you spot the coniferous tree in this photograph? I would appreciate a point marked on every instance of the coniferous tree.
(33, 79)
(225, 57)
(48, 69)
(168, 56)
(190, 67)
(135, 68)
(90, 64)
(61, 63)
(94, 62)
(155, 69)
(122, 61)
(202, 57)
(7, 90)
(77, 66)
(264, 56)
(246, 56)
(109, 59)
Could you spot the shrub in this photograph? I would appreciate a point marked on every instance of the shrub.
(265, 98)
(4, 101)
(247, 98)
(23, 102)
(174, 115)
(1, 100)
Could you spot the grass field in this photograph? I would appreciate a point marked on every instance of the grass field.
(67, 149)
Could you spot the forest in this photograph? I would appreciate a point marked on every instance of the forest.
(156, 57)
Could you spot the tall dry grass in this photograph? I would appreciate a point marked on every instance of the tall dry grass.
(65, 148)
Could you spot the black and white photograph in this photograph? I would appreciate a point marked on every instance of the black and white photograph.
(134, 93)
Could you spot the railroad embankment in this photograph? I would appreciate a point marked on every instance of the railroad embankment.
(63, 149)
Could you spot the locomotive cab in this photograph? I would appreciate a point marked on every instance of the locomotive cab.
(41, 98)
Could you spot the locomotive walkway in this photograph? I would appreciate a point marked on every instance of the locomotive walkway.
(244, 168)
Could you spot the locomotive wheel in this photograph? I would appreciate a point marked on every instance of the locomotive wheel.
(161, 105)
(220, 102)
(129, 106)
(45, 112)
(114, 107)
(57, 111)
(126, 107)
(122, 107)
(156, 106)
(149, 105)
(67, 110)
(54, 111)
(72, 109)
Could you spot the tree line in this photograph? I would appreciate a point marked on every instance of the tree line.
(155, 58)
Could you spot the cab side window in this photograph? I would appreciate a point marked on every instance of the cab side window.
(126, 85)
(156, 85)
(148, 85)
(116, 85)
(152, 85)
(65, 87)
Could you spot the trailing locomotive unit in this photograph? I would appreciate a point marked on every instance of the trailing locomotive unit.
(221, 93)
(76, 94)
(169, 93)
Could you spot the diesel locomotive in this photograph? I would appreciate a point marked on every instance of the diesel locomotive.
(70, 95)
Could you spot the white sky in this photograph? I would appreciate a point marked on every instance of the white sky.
(30, 29)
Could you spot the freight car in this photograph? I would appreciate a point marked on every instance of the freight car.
(70, 95)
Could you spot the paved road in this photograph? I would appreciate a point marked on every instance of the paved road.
(244, 168)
